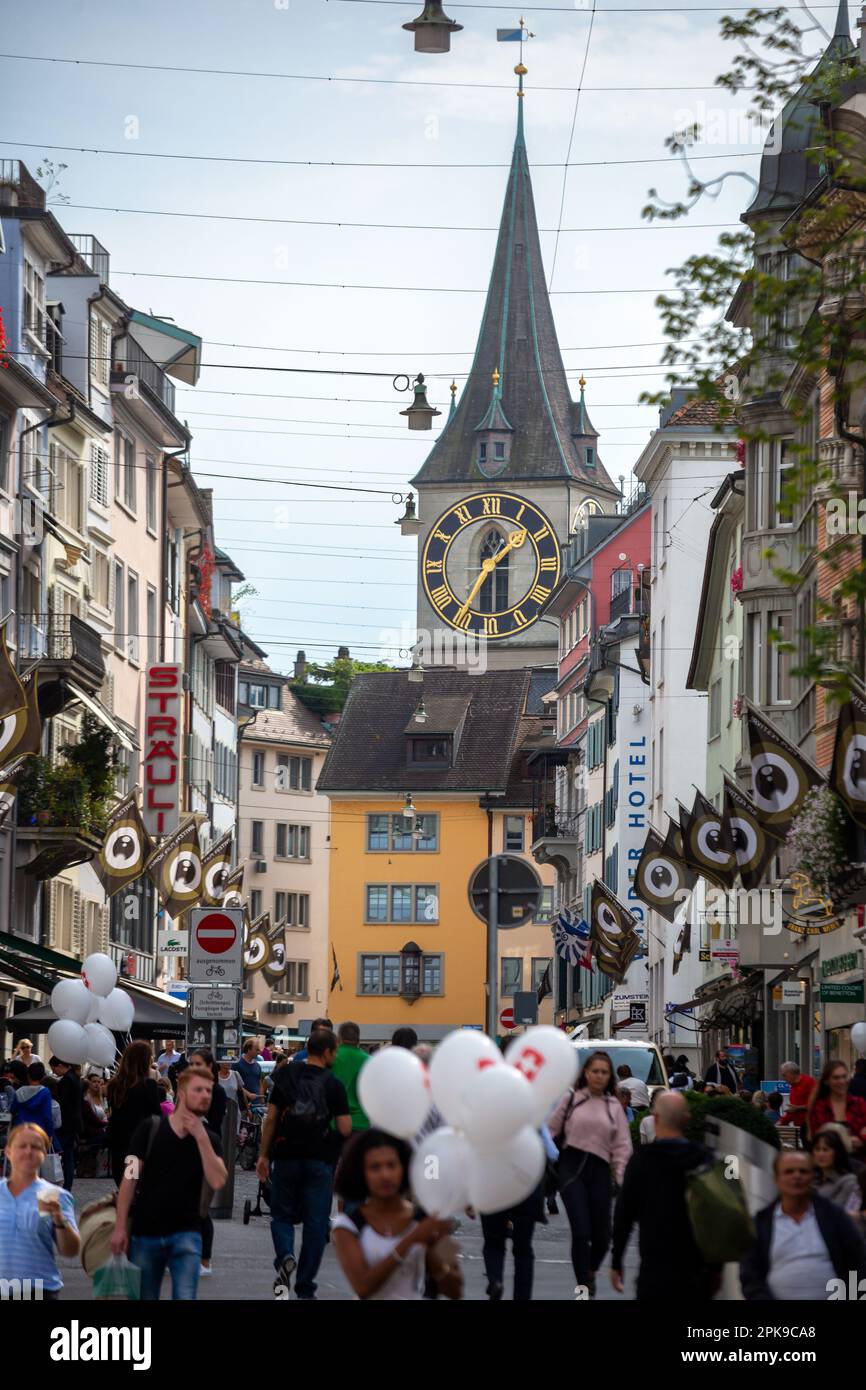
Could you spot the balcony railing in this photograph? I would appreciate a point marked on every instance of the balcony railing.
(66, 640)
(132, 360)
(94, 253)
(556, 825)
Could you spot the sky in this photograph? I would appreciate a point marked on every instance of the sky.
(419, 145)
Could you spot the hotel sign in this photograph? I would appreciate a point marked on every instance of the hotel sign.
(163, 733)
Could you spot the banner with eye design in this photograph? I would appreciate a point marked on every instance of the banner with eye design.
(275, 962)
(615, 941)
(848, 770)
(707, 845)
(256, 944)
(175, 868)
(661, 879)
(781, 776)
(216, 869)
(233, 888)
(126, 849)
(754, 846)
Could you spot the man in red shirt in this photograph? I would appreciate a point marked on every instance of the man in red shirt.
(802, 1087)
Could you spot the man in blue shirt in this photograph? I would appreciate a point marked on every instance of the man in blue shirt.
(249, 1070)
(320, 1025)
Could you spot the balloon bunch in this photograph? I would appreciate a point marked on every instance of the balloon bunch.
(489, 1154)
(89, 1011)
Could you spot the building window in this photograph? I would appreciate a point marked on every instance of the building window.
(151, 476)
(119, 599)
(152, 633)
(482, 452)
(293, 774)
(664, 532)
(493, 596)
(783, 472)
(100, 350)
(293, 841)
(590, 458)
(545, 907)
(780, 661)
(661, 661)
(512, 974)
(258, 769)
(435, 752)
(394, 974)
(101, 579)
(402, 902)
(431, 979)
(34, 301)
(514, 829)
(539, 966)
(303, 909)
(132, 644)
(67, 487)
(255, 903)
(499, 449)
(715, 716)
(224, 685)
(397, 834)
(257, 837)
(756, 653)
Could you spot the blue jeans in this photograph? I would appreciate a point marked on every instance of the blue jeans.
(181, 1252)
(301, 1193)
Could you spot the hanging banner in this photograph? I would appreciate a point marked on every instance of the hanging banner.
(163, 746)
(126, 849)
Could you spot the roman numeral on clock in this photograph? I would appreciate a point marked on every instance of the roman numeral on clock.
(519, 619)
(463, 620)
(540, 594)
(442, 535)
(440, 595)
(435, 566)
(491, 627)
(540, 535)
(464, 514)
(491, 506)
(548, 565)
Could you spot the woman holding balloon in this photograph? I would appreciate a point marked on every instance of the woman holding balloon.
(595, 1145)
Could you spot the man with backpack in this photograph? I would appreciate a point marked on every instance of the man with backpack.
(298, 1154)
(653, 1196)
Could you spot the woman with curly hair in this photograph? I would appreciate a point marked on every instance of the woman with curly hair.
(386, 1247)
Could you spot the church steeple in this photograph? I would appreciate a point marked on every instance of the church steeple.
(529, 414)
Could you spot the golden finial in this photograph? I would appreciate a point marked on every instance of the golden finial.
(521, 70)
(581, 381)
(495, 376)
(454, 388)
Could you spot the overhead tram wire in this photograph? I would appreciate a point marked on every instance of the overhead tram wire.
(359, 164)
(390, 226)
(570, 143)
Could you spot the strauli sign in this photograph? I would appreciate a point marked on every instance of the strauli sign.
(163, 733)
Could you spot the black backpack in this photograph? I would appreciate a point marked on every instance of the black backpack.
(305, 1114)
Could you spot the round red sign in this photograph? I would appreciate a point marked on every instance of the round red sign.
(506, 1018)
(216, 933)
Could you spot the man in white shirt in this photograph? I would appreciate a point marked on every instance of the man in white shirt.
(804, 1243)
(638, 1090)
(167, 1058)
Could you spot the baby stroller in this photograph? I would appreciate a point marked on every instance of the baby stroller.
(262, 1195)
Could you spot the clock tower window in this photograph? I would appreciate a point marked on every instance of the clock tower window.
(493, 596)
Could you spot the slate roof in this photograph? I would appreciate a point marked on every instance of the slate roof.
(369, 750)
(697, 412)
(517, 338)
(294, 723)
(788, 174)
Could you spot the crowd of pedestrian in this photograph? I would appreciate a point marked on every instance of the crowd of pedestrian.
(155, 1125)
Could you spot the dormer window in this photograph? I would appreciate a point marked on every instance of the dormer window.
(430, 751)
(590, 458)
(499, 449)
(482, 452)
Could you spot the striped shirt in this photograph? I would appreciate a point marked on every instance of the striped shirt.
(27, 1240)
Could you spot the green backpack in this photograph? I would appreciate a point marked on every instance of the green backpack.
(720, 1220)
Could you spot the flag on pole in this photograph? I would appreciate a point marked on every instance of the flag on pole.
(509, 35)
(233, 888)
(126, 849)
(216, 867)
(615, 941)
(13, 701)
(571, 939)
(10, 777)
(275, 963)
(661, 880)
(21, 728)
(707, 845)
(753, 846)
(175, 868)
(781, 776)
(335, 977)
(848, 771)
(256, 944)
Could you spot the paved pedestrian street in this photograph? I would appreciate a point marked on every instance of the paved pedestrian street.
(243, 1258)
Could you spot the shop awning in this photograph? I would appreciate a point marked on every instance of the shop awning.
(101, 713)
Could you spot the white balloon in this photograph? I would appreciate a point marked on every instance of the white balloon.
(99, 973)
(496, 1104)
(67, 1041)
(71, 999)
(117, 1011)
(858, 1037)
(394, 1091)
(500, 1180)
(101, 1048)
(96, 1003)
(548, 1061)
(439, 1173)
(458, 1057)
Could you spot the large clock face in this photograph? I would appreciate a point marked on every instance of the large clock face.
(490, 563)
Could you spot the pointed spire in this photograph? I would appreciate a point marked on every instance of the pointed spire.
(530, 403)
(583, 426)
(843, 26)
(453, 407)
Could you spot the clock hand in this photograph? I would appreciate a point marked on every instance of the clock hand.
(515, 540)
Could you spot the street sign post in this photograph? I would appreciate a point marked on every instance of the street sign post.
(506, 1019)
(505, 892)
(215, 946)
(216, 1002)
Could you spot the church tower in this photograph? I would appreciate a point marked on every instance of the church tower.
(516, 465)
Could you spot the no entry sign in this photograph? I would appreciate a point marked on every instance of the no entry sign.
(215, 946)
(506, 1018)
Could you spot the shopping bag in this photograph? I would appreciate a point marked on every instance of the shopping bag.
(720, 1220)
(117, 1279)
(52, 1167)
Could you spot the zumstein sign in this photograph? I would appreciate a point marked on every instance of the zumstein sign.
(163, 734)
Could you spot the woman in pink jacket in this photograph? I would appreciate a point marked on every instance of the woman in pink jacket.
(590, 1125)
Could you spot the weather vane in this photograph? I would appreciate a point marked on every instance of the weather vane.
(520, 36)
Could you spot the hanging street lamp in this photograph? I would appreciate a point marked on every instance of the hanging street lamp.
(432, 29)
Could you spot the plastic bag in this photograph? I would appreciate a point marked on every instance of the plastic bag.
(118, 1278)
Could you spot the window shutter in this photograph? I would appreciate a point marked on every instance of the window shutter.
(77, 933)
(53, 891)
